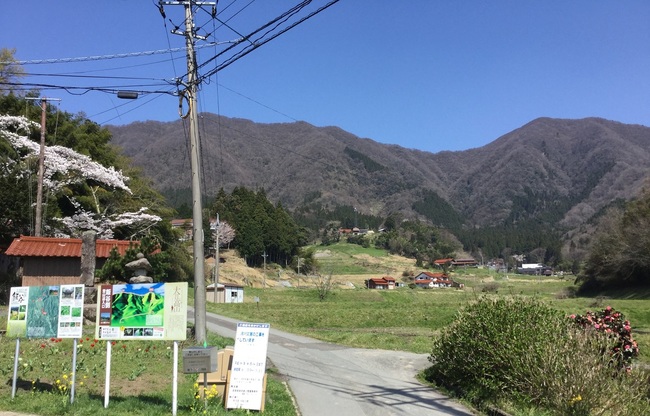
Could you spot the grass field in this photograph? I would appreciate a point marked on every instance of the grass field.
(141, 379)
(401, 319)
(407, 319)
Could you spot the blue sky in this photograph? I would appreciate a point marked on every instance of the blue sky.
(432, 75)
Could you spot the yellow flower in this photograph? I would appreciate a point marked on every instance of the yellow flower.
(65, 376)
(575, 400)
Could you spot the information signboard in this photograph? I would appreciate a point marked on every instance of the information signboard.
(46, 311)
(155, 311)
(248, 367)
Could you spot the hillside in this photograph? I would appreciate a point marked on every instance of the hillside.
(554, 171)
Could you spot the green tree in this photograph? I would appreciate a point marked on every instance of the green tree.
(620, 254)
(10, 71)
(260, 227)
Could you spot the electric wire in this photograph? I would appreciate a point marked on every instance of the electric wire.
(212, 177)
(140, 104)
(67, 75)
(258, 102)
(112, 89)
(102, 57)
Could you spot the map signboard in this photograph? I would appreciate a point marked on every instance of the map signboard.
(154, 311)
(46, 311)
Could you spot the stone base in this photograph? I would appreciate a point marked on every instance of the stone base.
(141, 279)
(90, 314)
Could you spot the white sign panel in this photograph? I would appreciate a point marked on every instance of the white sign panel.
(248, 367)
(46, 311)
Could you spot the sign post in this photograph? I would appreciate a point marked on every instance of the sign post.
(46, 312)
(246, 390)
(142, 311)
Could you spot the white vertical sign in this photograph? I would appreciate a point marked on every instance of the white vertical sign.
(71, 311)
(248, 367)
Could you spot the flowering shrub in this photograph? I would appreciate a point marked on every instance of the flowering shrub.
(612, 323)
(63, 384)
(202, 404)
(520, 351)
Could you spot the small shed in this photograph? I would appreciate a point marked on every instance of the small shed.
(56, 261)
(225, 293)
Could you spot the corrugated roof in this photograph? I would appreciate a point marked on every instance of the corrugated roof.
(62, 247)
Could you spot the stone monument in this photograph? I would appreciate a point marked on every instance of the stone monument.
(140, 267)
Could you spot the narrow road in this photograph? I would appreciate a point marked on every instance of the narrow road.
(328, 379)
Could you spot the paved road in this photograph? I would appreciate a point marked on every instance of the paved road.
(328, 379)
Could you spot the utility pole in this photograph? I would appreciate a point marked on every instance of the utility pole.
(298, 272)
(38, 226)
(41, 173)
(195, 161)
(216, 259)
(264, 282)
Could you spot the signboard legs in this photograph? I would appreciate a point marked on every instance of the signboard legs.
(107, 383)
(74, 369)
(175, 381)
(13, 384)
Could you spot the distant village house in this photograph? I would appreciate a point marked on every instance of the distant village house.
(385, 282)
(428, 280)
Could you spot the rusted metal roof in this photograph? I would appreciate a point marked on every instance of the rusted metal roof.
(62, 247)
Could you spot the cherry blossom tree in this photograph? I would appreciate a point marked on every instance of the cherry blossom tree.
(225, 232)
(65, 167)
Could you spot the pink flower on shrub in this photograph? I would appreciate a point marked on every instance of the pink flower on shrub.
(612, 323)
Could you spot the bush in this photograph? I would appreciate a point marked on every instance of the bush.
(527, 353)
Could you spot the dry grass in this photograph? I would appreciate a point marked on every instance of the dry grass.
(234, 270)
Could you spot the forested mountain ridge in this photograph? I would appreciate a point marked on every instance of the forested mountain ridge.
(556, 171)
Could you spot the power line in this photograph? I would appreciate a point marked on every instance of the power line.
(114, 89)
(76, 75)
(259, 103)
(105, 57)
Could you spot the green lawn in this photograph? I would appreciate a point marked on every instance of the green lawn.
(141, 374)
(406, 319)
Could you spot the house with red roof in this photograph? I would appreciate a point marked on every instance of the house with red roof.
(57, 261)
(441, 262)
(385, 282)
(428, 280)
(464, 263)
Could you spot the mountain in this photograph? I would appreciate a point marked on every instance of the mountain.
(556, 171)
